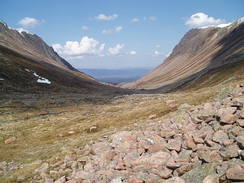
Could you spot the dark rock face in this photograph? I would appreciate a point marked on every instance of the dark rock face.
(196, 150)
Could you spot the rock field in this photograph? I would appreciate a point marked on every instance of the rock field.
(196, 144)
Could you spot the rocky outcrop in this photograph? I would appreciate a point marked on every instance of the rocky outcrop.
(194, 145)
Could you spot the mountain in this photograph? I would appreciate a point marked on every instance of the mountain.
(27, 63)
(30, 45)
(200, 51)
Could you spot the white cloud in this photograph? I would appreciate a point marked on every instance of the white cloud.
(202, 19)
(157, 46)
(86, 46)
(106, 17)
(132, 52)
(152, 18)
(135, 20)
(156, 52)
(84, 27)
(111, 31)
(29, 22)
(116, 50)
(57, 47)
(79, 57)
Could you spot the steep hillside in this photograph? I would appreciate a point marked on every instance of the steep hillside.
(27, 63)
(199, 51)
(30, 45)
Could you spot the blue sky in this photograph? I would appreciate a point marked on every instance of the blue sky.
(116, 33)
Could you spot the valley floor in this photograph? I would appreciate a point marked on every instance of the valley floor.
(38, 133)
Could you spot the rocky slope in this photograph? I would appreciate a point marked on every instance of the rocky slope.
(199, 51)
(197, 144)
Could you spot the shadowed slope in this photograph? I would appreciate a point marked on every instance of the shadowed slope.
(28, 64)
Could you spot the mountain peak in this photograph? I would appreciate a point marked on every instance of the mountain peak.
(30, 45)
(230, 24)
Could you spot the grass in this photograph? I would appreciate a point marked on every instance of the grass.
(43, 132)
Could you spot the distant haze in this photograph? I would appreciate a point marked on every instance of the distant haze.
(116, 75)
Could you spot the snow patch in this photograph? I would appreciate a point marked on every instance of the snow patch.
(35, 74)
(223, 25)
(219, 26)
(21, 30)
(41, 79)
(240, 20)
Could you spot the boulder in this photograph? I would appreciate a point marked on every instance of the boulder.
(117, 180)
(190, 144)
(221, 169)
(183, 169)
(198, 140)
(173, 165)
(175, 180)
(240, 122)
(72, 181)
(61, 180)
(228, 118)
(240, 140)
(236, 173)
(184, 156)
(10, 140)
(220, 136)
(120, 137)
(135, 180)
(164, 172)
(199, 173)
(213, 178)
(174, 144)
(210, 156)
(154, 160)
(156, 147)
(238, 102)
(152, 116)
(81, 175)
(229, 152)
(100, 147)
(167, 133)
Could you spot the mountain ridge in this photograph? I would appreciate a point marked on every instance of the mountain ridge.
(32, 44)
(200, 50)
(26, 62)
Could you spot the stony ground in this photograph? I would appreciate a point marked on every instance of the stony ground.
(165, 138)
(202, 143)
